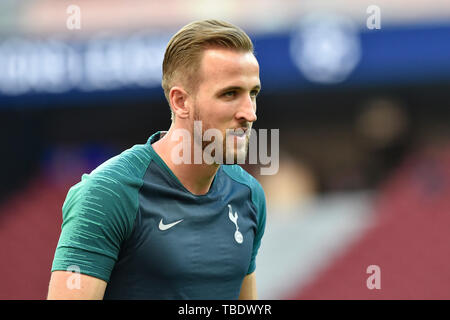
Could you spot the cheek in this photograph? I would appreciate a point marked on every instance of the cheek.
(219, 113)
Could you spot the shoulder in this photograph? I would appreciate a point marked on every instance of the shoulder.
(112, 185)
(126, 169)
(130, 164)
(237, 173)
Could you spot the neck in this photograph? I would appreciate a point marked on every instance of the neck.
(197, 178)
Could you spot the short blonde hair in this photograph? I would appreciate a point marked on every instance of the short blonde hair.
(184, 50)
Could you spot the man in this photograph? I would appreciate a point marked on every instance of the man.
(145, 226)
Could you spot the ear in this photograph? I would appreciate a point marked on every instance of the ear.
(178, 101)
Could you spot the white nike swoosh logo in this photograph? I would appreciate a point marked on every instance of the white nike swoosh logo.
(164, 227)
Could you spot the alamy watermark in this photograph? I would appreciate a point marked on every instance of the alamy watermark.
(74, 19)
(74, 281)
(374, 281)
(374, 20)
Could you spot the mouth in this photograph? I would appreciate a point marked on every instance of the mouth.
(238, 132)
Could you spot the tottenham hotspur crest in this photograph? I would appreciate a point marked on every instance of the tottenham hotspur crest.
(237, 235)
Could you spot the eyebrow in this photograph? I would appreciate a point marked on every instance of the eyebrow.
(230, 88)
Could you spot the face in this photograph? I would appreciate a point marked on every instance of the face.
(225, 98)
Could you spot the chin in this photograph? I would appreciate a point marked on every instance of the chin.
(235, 155)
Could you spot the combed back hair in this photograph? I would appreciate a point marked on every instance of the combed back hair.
(184, 51)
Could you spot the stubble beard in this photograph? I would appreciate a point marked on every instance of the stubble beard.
(224, 138)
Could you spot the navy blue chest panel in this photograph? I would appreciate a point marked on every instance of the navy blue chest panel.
(186, 246)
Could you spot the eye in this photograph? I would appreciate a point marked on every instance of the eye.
(229, 94)
(254, 93)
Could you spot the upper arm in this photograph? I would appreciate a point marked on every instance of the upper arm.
(66, 285)
(259, 200)
(248, 288)
(98, 215)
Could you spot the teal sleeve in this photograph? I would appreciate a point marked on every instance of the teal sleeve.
(98, 214)
(259, 200)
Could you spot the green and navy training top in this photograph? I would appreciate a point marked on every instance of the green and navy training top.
(131, 223)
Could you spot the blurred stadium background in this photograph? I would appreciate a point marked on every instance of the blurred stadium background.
(363, 114)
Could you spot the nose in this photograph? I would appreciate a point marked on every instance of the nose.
(247, 111)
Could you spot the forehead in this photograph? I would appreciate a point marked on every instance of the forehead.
(223, 66)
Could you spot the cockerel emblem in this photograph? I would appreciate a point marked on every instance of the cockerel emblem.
(234, 218)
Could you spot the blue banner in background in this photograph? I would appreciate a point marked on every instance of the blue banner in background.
(373, 57)
(56, 72)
